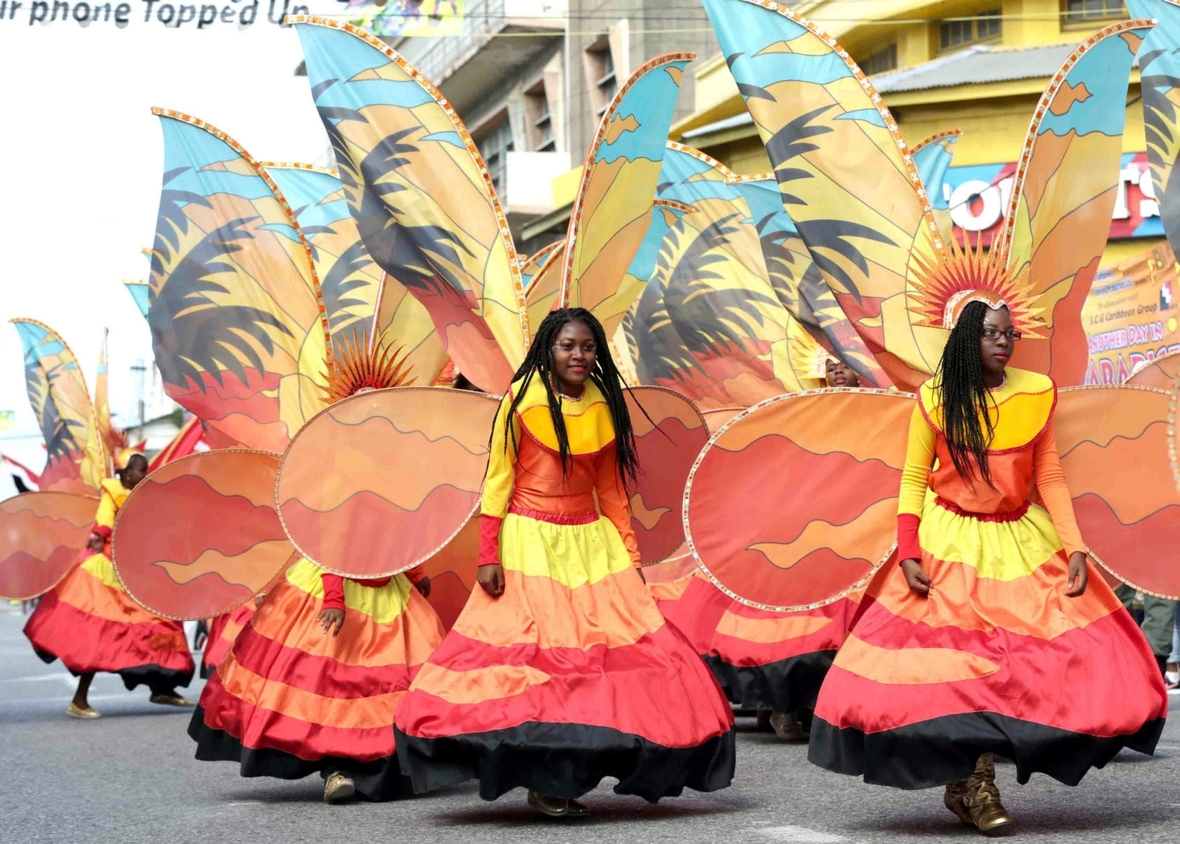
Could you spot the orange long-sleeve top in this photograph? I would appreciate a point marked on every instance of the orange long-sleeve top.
(1022, 456)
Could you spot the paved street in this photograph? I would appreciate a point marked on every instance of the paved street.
(130, 777)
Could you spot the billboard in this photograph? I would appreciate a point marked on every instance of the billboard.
(407, 18)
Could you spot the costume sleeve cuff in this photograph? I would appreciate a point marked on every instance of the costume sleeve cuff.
(415, 575)
(489, 540)
(333, 591)
(908, 547)
(102, 530)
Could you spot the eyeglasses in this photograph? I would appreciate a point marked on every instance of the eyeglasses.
(995, 334)
(568, 348)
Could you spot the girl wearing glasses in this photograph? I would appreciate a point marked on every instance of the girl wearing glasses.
(561, 671)
(989, 637)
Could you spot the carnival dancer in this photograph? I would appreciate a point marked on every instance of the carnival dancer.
(91, 624)
(560, 670)
(311, 684)
(990, 637)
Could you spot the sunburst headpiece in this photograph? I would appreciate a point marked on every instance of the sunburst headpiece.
(361, 366)
(123, 457)
(959, 275)
(808, 358)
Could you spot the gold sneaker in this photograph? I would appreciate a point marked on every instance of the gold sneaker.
(87, 714)
(557, 807)
(987, 812)
(172, 699)
(338, 788)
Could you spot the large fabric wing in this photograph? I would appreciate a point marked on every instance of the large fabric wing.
(611, 212)
(1118, 450)
(75, 460)
(798, 282)
(141, 294)
(1159, 80)
(200, 536)
(1064, 191)
(41, 536)
(933, 157)
(360, 300)
(545, 288)
(1161, 373)
(380, 482)
(845, 173)
(421, 196)
(533, 263)
(237, 322)
(793, 504)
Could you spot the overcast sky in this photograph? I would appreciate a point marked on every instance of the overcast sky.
(82, 158)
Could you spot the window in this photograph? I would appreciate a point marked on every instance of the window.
(881, 61)
(494, 147)
(540, 121)
(1079, 11)
(985, 27)
(600, 74)
(607, 84)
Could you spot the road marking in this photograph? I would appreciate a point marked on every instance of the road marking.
(800, 835)
(37, 678)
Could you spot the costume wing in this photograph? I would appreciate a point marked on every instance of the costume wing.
(141, 293)
(421, 196)
(41, 535)
(1118, 450)
(360, 300)
(237, 322)
(793, 504)
(844, 171)
(534, 262)
(544, 291)
(932, 157)
(224, 549)
(380, 482)
(1161, 373)
(1064, 191)
(612, 209)
(75, 460)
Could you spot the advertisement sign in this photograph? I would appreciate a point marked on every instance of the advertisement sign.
(978, 196)
(407, 18)
(1131, 315)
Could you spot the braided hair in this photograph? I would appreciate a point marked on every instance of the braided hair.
(964, 396)
(539, 362)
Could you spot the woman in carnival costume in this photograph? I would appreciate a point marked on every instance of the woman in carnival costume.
(560, 670)
(91, 624)
(311, 684)
(997, 587)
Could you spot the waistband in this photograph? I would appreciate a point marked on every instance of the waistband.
(1010, 516)
(554, 518)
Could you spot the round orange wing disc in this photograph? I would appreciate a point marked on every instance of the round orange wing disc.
(1161, 373)
(41, 536)
(384, 480)
(793, 504)
(718, 416)
(199, 536)
(679, 565)
(669, 433)
(1118, 451)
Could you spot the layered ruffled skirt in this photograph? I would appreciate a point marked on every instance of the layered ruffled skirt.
(291, 700)
(223, 630)
(763, 660)
(997, 659)
(91, 624)
(569, 677)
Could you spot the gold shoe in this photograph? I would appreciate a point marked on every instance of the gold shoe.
(987, 812)
(171, 699)
(87, 714)
(557, 807)
(338, 788)
(953, 798)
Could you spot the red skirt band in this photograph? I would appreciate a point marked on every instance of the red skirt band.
(1011, 516)
(555, 518)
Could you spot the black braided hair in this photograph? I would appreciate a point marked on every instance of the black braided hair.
(964, 396)
(539, 362)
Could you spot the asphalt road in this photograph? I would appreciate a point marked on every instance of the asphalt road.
(130, 777)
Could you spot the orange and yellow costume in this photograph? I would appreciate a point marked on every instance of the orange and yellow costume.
(925, 685)
(290, 700)
(91, 624)
(572, 674)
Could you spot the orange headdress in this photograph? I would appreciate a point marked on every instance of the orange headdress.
(123, 457)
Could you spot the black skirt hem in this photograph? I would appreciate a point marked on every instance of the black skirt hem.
(783, 686)
(158, 680)
(566, 760)
(932, 753)
(378, 780)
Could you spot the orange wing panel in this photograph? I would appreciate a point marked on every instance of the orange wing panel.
(382, 481)
(1118, 450)
(452, 572)
(1161, 373)
(200, 536)
(793, 504)
(41, 534)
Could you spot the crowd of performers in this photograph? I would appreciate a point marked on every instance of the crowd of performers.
(959, 621)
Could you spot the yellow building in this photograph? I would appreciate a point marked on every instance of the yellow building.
(976, 65)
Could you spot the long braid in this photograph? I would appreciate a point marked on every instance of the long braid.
(539, 363)
(964, 396)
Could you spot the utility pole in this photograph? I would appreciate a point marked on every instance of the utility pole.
(140, 370)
